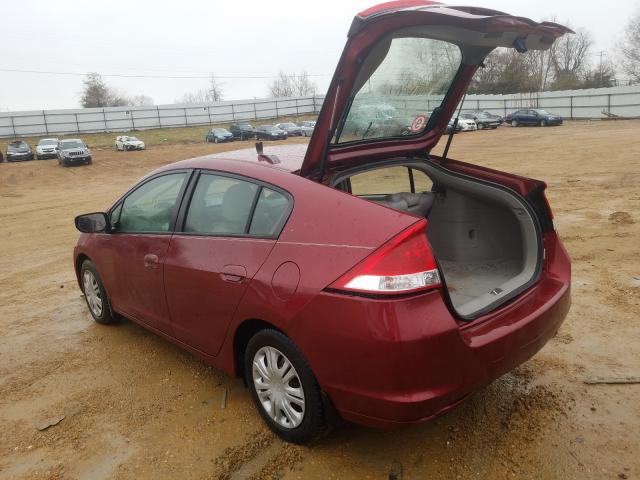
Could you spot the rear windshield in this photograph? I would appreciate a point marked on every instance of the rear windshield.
(400, 84)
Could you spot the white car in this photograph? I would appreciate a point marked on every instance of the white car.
(125, 142)
(307, 127)
(47, 148)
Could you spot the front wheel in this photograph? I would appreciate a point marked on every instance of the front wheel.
(283, 387)
(215, 140)
(95, 294)
(514, 123)
(543, 123)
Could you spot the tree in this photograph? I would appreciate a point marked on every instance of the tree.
(212, 93)
(291, 85)
(141, 100)
(629, 49)
(97, 93)
(569, 57)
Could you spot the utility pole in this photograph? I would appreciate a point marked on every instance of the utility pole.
(601, 54)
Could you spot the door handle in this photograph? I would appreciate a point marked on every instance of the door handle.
(151, 260)
(233, 273)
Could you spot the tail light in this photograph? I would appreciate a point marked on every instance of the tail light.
(405, 264)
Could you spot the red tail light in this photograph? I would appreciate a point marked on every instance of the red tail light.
(405, 264)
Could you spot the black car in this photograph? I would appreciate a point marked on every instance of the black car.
(291, 128)
(242, 130)
(19, 151)
(218, 135)
(533, 117)
(483, 120)
(270, 132)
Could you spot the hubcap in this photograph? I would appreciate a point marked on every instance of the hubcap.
(92, 292)
(278, 387)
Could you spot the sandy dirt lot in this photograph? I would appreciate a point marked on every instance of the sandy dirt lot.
(137, 407)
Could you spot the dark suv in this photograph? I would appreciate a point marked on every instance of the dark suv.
(242, 130)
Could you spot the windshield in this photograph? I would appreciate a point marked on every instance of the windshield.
(543, 112)
(401, 81)
(18, 144)
(131, 139)
(48, 142)
(71, 144)
(288, 125)
(220, 131)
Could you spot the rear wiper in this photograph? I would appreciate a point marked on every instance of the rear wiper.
(364, 135)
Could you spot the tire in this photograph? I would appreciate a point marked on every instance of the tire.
(215, 140)
(95, 294)
(89, 162)
(481, 126)
(543, 123)
(514, 123)
(306, 418)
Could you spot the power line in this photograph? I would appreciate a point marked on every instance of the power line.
(175, 77)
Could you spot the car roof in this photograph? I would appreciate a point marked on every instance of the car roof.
(246, 161)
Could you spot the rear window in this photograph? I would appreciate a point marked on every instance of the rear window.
(386, 181)
(400, 84)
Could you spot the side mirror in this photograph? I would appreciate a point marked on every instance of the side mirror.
(97, 222)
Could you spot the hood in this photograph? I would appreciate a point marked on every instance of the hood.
(405, 67)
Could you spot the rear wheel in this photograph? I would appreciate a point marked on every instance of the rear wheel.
(514, 123)
(95, 294)
(283, 387)
(481, 126)
(543, 123)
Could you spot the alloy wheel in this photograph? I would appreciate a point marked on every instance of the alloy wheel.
(92, 293)
(278, 387)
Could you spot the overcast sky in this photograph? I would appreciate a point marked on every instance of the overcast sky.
(196, 37)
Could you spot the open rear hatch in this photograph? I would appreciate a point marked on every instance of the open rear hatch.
(403, 72)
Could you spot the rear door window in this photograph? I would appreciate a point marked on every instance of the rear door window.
(270, 214)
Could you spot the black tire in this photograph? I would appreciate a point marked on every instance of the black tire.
(514, 123)
(89, 162)
(215, 140)
(481, 126)
(314, 422)
(543, 123)
(106, 316)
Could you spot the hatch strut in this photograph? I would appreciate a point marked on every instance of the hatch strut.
(453, 130)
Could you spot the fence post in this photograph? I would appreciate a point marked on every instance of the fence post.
(297, 111)
(277, 112)
(46, 127)
(209, 113)
(255, 111)
(233, 113)
(504, 100)
(13, 126)
(77, 124)
(571, 107)
(478, 104)
(104, 119)
(184, 110)
(158, 113)
(609, 103)
(133, 123)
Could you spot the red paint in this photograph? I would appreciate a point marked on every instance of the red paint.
(383, 361)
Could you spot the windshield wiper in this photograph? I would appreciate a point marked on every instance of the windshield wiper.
(364, 135)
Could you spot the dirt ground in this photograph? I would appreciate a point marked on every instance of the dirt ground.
(137, 407)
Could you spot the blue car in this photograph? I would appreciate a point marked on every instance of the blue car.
(538, 117)
(218, 135)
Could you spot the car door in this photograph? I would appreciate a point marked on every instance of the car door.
(132, 255)
(230, 226)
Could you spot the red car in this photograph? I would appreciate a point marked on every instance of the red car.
(360, 277)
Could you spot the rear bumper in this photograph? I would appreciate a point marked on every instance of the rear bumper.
(391, 363)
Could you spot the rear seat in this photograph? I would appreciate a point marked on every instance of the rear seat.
(418, 204)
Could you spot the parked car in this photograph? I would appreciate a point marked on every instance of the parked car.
(270, 132)
(365, 278)
(242, 130)
(219, 135)
(538, 117)
(126, 143)
(291, 128)
(73, 151)
(464, 124)
(307, 127)
(47, 148)
(483, 120)
(19, 151)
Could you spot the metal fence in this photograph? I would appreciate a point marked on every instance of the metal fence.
(572, 104)
(116, 119)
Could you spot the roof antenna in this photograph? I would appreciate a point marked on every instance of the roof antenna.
(453, 130)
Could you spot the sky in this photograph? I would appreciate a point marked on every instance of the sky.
(254, 38)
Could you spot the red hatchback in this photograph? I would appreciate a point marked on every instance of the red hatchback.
(364, 277)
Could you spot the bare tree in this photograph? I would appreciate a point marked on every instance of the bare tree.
(96, 93)
(212, 93)
(291, 85)
(629, 49)
(570, 57)
(140, 100)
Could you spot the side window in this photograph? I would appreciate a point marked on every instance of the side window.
(385, 181)
(150, 207)
(220, 205)
(270, 213)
